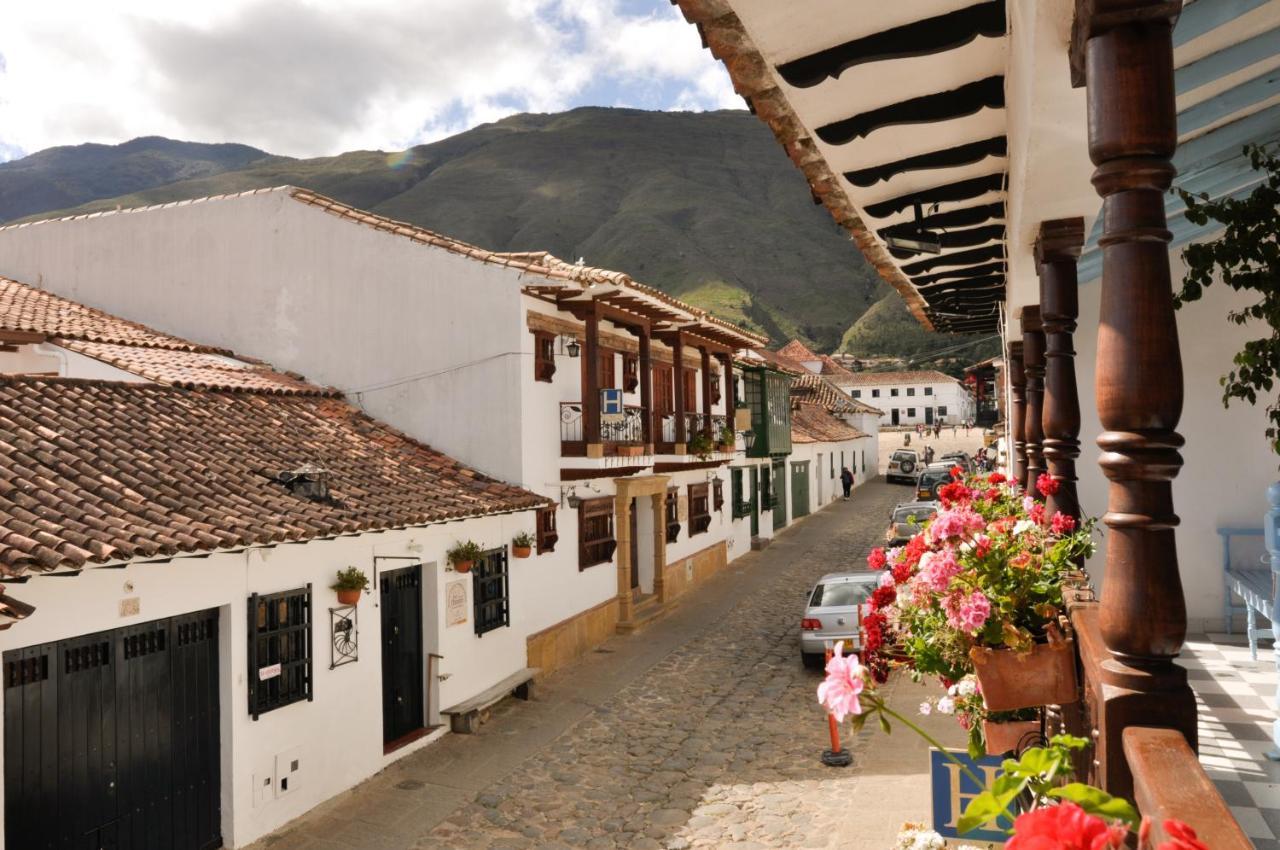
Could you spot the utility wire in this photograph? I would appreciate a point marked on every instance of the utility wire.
(422, 376)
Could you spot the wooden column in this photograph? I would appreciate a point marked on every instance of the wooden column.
(1018, 413)
(677, 377)
(1128, 67)
(591, 383)
(1057, 249)
(706, 392)
(1033, 367)
(646, 390)
(730, 388)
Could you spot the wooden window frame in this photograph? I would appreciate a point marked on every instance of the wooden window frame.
(671, 512)
(717, 493)
(283, 639)
(547, 534)
(596, 516)
(699, 509)
(544, 356)
(608, 369)
(491, 591)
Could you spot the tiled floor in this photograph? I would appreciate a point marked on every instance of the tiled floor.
(1236, 698)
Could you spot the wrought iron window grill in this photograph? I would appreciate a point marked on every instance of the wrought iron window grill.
(280, 671)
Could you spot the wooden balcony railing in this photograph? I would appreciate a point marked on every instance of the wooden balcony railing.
(618, 437)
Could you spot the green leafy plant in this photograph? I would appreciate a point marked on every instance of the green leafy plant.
(465, 551)
(1247, 255)
(726, 436)
(352, 578)
(523, 540)
(700, 446)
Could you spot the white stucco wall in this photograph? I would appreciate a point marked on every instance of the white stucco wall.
(949, 394)
(340, 732)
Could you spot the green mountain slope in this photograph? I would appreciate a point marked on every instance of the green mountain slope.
(702, 205)
(888, 330)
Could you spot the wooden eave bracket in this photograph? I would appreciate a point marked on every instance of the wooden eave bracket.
(1059, 240)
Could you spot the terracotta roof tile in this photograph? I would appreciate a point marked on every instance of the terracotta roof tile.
(928, 376)
(95, 471)
(811, 423)
(816, 389)
(797, 350)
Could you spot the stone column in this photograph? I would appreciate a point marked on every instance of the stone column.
(659, 502)
(1133, 132)
(1057, 248)
(622, 534)
(1018, 413)
(1033, 365)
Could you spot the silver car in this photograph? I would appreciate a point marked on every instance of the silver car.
(834, 613)
(906, 520)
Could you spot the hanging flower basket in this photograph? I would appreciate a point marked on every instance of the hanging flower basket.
(348, 596)
(1045, 675)
(464, 566)
(1010, 736)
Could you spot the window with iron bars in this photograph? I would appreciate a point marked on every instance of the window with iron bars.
(673, 514)
(279, 650)
(489, 589)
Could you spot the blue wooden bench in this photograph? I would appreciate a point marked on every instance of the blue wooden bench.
(1253, 584)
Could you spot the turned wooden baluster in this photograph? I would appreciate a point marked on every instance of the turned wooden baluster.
(1128, 65)
(1033, 366)
(1018, 412)
(1057, 249)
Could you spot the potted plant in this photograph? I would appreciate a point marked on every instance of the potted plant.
(727, 438)
(522, 545)
(350, 584)
(700, 446)
(463, 555)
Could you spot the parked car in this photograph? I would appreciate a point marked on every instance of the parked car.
(903, 464)
(833, 612)
(960, 459)
(905, 521)
(931, 479)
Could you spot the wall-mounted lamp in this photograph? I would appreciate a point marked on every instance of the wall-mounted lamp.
(571, 346)
(748, 439)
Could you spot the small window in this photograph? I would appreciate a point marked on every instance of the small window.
(547, 535)
(630, 372)
(279, 650)
(489, 589)
(894, 392)
(699, 509)
(673, 514)
(544, 356)
(911, 390)
(595, 532)
(766, 488)
(831, 465)
(857, 393)
(942, 410)
(717, 494)
(875, 394)
(741, 507)
(911, 411)
(928, 390)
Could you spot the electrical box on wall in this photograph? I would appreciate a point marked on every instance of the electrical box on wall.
(264, 789)
(288, 771)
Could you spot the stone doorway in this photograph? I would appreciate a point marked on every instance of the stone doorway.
(642, 547)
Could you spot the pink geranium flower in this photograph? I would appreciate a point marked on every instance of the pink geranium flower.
(839, 692)
(956, 522)
(1062, 523)
(967, 613)
(937, 569)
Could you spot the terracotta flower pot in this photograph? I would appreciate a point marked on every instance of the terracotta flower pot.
(1008, 737)
(1046, 675)
(464, 566)
(522, 551)
(348, 596)
(630, 451)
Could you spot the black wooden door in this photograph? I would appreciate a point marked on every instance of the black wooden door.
(401, 600)
(111, 739)
(635, 549)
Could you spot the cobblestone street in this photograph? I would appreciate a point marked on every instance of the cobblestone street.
(700, 731)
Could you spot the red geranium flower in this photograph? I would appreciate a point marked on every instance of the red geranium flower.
(901, 572)
(876, 560)
(883, 596)
(1062, 523)
(1037, 513)
(954, 493)
(996, 478)
(1184, 837)
(957, 473)
(1046, 485)
(1064, 827)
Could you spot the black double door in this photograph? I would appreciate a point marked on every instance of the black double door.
(111, 740)
(402, 691)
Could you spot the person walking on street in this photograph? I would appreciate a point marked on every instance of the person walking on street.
(846, 481)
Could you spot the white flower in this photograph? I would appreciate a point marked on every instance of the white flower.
(966, 687)
(953, 690)
(1022, 526)
(926, 708)
(886, 578)
(946, 705)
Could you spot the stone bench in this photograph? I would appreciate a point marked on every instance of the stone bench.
(464, 718)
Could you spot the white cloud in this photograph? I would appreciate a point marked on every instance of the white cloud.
(313, 77)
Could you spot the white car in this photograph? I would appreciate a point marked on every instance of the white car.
(833, 614)
(903, 465)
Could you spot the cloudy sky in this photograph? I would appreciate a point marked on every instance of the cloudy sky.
(315, 77)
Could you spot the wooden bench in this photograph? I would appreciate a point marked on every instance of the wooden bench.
(1252, 584)
(465, 717)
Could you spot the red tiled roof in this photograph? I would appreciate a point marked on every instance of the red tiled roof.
(27, 309)
(834, 370)
(781, 362)
(96, 471)
(797, 350)
(810, 423)
(928, 376)
(818, 390)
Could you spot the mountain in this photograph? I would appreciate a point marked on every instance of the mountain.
(63, 177)
(888, 330)
(705, 206)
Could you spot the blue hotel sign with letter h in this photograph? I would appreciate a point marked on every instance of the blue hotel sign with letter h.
(952, 791)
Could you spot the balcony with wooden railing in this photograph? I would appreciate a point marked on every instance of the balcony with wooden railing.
(621, 437)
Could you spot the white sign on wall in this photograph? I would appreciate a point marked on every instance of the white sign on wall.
(455, 603)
